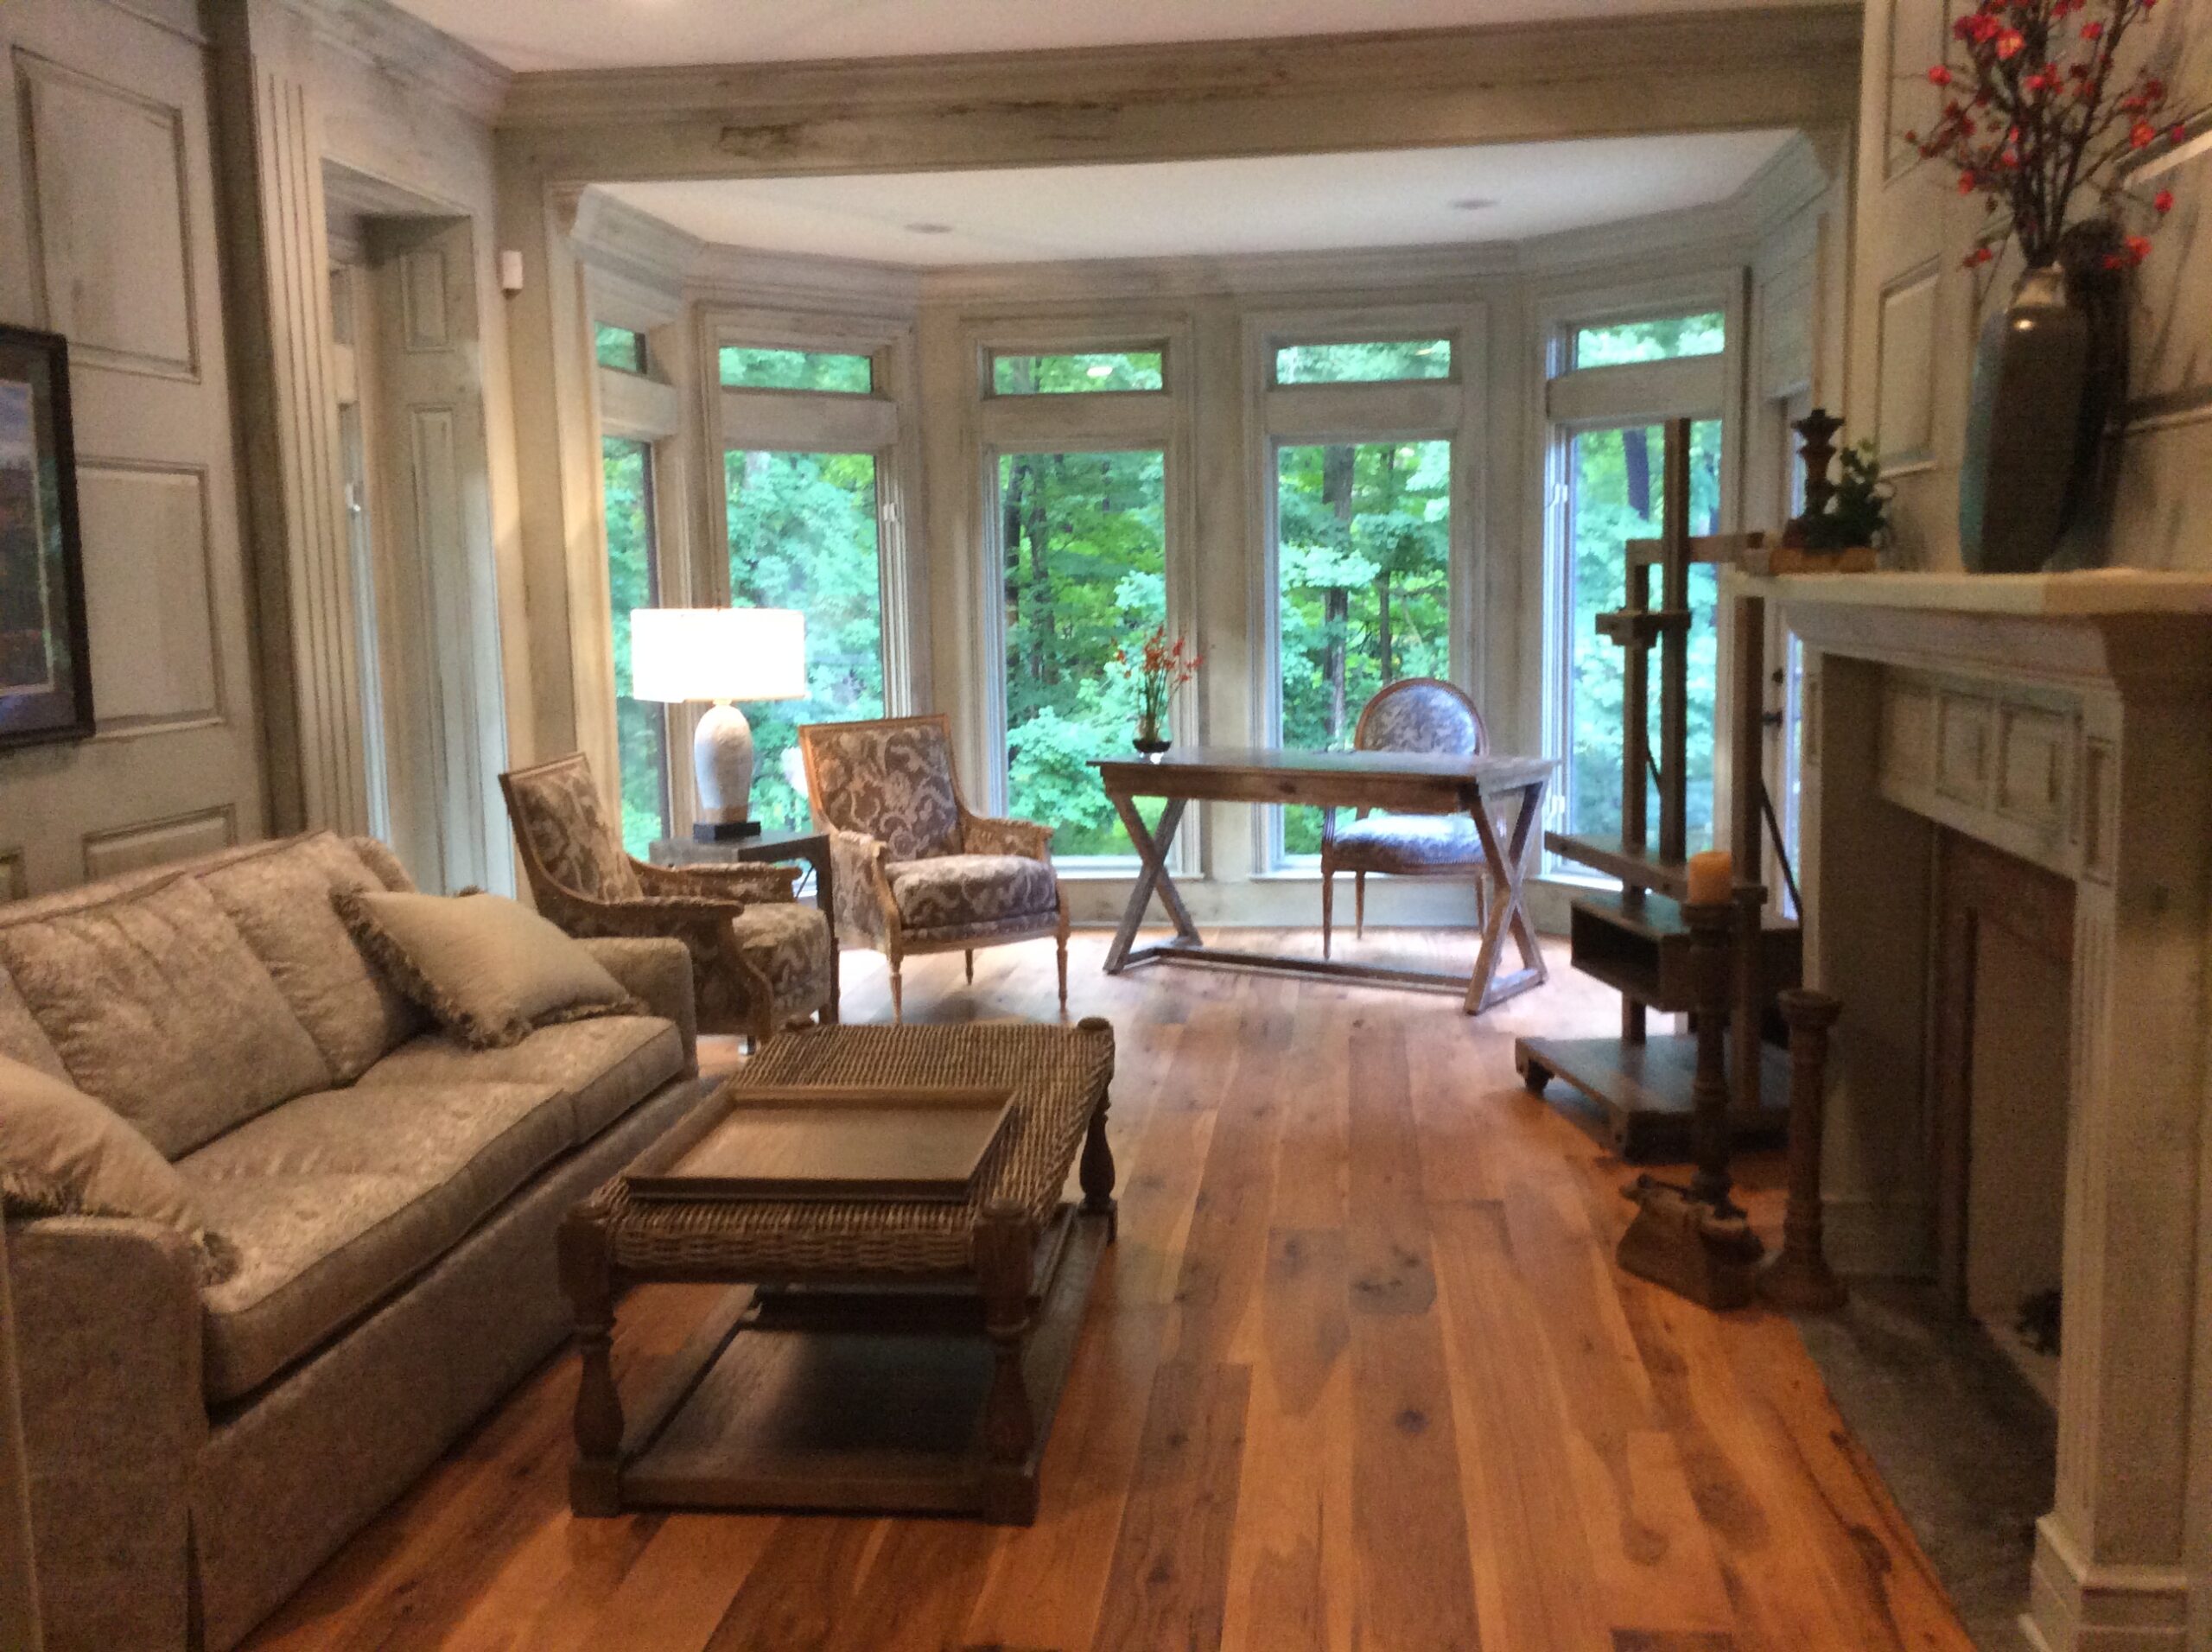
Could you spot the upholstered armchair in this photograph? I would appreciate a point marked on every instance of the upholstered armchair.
(759, 961)
(916, 872)
(1416, 714)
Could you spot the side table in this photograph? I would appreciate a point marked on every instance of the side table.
(811, 847)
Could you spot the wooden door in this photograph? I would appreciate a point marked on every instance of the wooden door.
(437, 619)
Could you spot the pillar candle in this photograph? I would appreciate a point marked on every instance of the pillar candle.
(1713, 878)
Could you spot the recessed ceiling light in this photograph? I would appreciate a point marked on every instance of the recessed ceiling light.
(926, 228)
(1473, 204)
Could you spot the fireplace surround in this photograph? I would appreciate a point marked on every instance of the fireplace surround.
(2064, 720)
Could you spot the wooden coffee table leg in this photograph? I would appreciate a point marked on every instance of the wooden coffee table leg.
(595, 1479)
(1003, 1255)
(1097, 1173)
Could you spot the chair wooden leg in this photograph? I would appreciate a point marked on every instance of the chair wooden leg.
(1328, 904)
(898, 993)
(1359, 904)
(969, 956)
(1061, 944)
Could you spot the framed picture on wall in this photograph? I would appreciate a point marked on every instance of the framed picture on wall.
(46, 670)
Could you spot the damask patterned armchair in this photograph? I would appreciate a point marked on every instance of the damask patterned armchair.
(759, 961)
(1416, 714)
(915, 871)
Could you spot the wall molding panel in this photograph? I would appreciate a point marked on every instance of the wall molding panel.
(110, 222)
(153, 621)
(114, 850)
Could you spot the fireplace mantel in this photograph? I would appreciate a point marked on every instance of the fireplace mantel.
(2065, 718)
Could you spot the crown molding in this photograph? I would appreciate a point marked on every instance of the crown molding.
(734, 275)
(615, 237)
(1475, 267)
(1775, 66)
(402, 47)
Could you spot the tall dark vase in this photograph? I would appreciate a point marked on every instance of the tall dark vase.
(2031, 371)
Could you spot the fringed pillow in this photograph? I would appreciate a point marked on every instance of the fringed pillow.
(64, 1153)
(487, 969)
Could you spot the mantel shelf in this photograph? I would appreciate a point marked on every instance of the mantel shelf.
(2103, 593)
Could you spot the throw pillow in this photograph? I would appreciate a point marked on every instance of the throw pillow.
(488, 969)
(63, 1154)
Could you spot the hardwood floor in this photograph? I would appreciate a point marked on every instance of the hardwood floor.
(1360, 1373)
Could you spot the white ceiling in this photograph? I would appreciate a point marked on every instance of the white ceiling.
(1294, 203)
(611, 34)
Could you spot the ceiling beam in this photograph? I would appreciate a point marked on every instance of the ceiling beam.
(1787, 66)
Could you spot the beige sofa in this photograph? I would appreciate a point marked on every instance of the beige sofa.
(384, 1198)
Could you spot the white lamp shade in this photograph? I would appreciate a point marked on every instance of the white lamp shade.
(679, 654)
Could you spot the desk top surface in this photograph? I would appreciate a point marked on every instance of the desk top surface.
(1492, 770)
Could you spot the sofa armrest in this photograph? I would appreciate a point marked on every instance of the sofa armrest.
(659, 970)
(107, 1343)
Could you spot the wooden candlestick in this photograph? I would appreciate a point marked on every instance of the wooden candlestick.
(1693, 1239)
(1711, 923)
(1798, 1277)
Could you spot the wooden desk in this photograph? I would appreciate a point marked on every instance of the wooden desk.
(1414, 783)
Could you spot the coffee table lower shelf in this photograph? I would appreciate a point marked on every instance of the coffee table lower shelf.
(858, 1398)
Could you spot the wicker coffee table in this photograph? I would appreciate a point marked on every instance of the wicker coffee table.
(891, 1355)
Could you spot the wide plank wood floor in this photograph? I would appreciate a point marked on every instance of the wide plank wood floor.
(1360, 1373)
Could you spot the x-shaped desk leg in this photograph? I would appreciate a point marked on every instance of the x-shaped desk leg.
(1152, 848)
(1507, 866)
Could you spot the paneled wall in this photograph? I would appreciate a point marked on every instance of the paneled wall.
(108, 234)
(1915, 309)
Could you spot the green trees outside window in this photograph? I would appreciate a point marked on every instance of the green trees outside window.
(803, 534)
(633, 582)
(1085, 573)
(1617, 484)
(1076, 374)
(775, 369)
(620, 348)
(1363, 560)
(1665, 339)
(1363, 364)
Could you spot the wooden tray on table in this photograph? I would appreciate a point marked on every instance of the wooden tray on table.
(818, 1141)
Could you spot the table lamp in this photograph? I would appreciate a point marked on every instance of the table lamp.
(722, 655)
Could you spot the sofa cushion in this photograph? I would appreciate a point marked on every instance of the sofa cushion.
(334, 1199)
(22, 1039)
(487, 969)
(280, 899)
(957, 891)
(605, 1067)
(158, 1007)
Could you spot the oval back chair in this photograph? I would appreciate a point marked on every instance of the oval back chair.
(1415, 713)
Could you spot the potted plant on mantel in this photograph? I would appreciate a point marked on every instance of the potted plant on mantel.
(2041, 120)
(1843, 525)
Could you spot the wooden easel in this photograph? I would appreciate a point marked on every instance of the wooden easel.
(1637, 940)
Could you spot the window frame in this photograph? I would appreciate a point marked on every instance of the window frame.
(880, 423)
(646, 407)
(1123, 421)
(1452, 409)
(1565, 401)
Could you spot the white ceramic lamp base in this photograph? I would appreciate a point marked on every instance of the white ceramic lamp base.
(721, 761)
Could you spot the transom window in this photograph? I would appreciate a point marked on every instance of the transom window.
(1364, 362)
(620, 347)
(1666, 338)
(747, 367)
(1079, 373)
